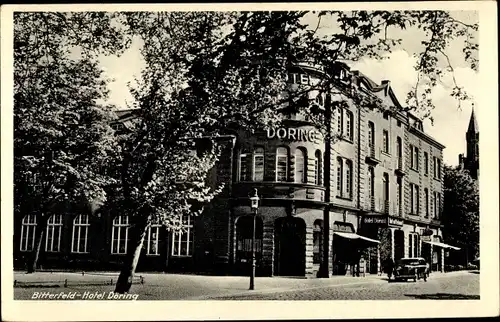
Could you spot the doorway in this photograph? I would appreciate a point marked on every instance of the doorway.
(290, 235)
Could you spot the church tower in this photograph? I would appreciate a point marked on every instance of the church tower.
(472, 138)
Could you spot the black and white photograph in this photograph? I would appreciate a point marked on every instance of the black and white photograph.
(246, 158)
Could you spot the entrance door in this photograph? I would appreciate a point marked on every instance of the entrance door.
(290, 246)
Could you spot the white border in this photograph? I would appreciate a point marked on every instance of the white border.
(181, 310)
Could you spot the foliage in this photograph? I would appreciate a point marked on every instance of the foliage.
(62, 137)
(461, 210)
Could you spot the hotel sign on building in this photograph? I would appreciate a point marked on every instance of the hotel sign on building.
(383, 220)
(295, 134)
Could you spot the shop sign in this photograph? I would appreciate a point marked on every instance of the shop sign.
(294, 134)
(343, 227)
(377, 220)
(395, 222)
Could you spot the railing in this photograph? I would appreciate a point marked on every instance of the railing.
(386, 206)
(372, 203)
(400, 163)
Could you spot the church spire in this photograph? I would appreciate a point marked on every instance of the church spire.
(473, 128)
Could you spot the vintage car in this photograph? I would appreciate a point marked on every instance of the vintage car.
(411, 268)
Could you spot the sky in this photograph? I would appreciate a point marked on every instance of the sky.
(450, 121)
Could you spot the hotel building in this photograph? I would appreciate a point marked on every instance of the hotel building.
(386, 198)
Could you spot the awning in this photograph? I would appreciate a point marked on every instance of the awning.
(355, 236)
(443, 245)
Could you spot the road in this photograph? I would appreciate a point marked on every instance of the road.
(446, 287)
(454, 285)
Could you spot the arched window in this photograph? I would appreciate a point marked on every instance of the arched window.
(28, 228)
(258, 164)
(300, 166)
(317, 168)
(80, 234)
(54, 229)
(281, 164)
(119, 235)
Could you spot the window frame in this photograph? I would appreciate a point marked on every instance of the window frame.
(176, 237)
(157, 227)
(243, 165)
(385, 140)
(26, 225)
(53, 225)
(340, 176)
(258, 153)
(278, 156)
(300, 153)
(317, 168)
(78, 225)
(122, 223)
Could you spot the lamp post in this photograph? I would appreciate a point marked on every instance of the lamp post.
(254, 205)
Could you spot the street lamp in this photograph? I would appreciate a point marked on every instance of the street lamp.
(254, 205)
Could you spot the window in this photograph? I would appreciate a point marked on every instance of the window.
(385, 180)
(386, 115)
(339, 176)
(242, 168)
(80, 234)
(416, 244)
(414, 157)
(119, 235)
(281, 164)
(371, 181)
(410, 245)
(400, 195)
(28, 228)
(399, 123)
(399, 151)
(414, 196)
(349, 125)
(426, 200)
(258, 164)
(317, 168)
(340, 121)
(300, 166)
(317, 238)
(426, 163)
(54, 228)
(437, 168)
(437, 205)
(385, 134)
(348, 179)
(152, 239)
(182, 240)
(344, 178)
(371, 134)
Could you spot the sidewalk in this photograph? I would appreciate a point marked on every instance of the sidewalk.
(162, 286)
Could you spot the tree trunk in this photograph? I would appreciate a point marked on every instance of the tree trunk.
(39, 233)
(138, 232)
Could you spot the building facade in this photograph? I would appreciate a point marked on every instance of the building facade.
(385, 199)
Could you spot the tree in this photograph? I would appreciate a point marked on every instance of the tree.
(207, 72)
(461, 210)
(62, 138)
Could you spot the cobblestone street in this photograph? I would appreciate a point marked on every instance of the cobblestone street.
(445, 287)
(159, 286)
